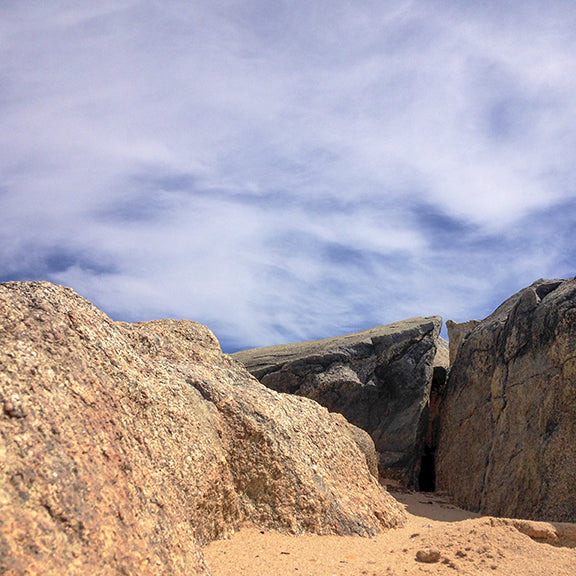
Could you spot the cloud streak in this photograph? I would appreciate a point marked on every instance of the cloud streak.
(284, 172)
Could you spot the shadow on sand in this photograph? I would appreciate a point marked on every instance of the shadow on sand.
(437, 507)
(431, 505)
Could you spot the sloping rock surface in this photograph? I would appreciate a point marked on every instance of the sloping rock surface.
(123, 447)
(379, 379)
(508, 420)
(457, 333)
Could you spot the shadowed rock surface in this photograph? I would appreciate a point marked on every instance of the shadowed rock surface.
(508, 421)
(125, 446)
(379, 379)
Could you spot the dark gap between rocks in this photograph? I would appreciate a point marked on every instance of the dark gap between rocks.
(427, 475)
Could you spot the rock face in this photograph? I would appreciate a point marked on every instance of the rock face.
(457, 333)
(508, 420)
(125, 446)
(379, 379)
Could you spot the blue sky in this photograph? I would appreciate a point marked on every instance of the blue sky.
(288, 170)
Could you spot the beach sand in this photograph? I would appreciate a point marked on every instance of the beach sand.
(457, 542)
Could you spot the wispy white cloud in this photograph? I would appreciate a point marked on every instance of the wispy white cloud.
(284, 171)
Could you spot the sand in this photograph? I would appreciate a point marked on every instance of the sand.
(457, 542)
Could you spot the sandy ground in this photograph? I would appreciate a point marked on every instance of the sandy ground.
(460, 542)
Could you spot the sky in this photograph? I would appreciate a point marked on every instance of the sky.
(286, 170)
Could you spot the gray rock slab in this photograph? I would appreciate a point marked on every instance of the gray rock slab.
(379, 379)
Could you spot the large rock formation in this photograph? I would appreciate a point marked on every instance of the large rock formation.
(124, 446)
(508, 419)
(379, 379)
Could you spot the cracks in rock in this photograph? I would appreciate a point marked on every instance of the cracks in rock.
(411, 343)
(60, 517)
(54, 514)
(426, 476)
(544, 289)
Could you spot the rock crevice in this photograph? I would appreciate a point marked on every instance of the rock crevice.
(379, 379)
